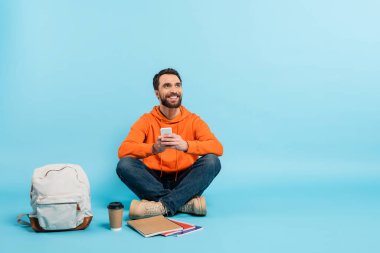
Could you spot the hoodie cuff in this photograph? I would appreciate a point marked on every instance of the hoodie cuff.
(148, 150)
(191, 147)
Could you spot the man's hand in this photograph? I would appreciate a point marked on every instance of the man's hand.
(169, 141)
(158, 147)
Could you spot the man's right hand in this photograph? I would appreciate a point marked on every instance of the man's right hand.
(158, 147)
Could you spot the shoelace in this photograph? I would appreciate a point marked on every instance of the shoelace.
(154, 208)
(188, 207)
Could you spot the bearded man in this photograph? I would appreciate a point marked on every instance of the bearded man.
(169, 172)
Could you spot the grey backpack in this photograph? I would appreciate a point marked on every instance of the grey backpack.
(60, 199)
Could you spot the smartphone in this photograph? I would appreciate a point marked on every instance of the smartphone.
(166, 130)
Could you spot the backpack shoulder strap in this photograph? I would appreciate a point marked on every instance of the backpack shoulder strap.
(21, 221)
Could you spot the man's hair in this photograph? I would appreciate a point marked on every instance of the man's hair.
(169, 71)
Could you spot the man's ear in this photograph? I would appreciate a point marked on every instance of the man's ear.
(156, 92)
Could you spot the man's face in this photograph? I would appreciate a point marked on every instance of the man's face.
(169, 91)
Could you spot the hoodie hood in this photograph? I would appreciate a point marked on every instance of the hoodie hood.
(184, 113)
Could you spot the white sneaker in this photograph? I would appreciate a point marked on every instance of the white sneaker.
(144, 209)
(196, 205)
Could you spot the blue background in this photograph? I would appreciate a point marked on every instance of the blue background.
(291, 89)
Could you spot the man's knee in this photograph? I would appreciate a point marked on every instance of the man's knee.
(212, 162)
(124, 165)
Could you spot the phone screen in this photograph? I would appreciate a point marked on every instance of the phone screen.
(166, 130)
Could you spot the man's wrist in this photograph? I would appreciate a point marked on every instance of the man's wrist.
(186, 147)
(154, 151)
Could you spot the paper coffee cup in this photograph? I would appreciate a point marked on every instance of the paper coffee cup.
(115, 213)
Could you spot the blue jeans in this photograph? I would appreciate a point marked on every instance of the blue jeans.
(171, 192)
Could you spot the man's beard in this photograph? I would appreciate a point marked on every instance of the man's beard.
(165, 102)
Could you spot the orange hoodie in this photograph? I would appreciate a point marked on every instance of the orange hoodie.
(189, 126)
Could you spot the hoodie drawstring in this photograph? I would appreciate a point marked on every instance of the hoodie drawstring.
(176, 166)
(160, 164)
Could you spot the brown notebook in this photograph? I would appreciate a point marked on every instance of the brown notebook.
(154, 225)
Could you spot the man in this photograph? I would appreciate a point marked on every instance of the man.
(166, 171)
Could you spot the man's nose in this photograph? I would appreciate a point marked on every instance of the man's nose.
(174, 90)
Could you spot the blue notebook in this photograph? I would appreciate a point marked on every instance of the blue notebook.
(186, 232)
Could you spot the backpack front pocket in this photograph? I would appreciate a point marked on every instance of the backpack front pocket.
(58, 216)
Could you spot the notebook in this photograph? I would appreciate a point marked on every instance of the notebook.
(186, 232)
(154, 226)
(185, 226)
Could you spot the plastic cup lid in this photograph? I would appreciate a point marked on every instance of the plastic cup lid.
(115, 205)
